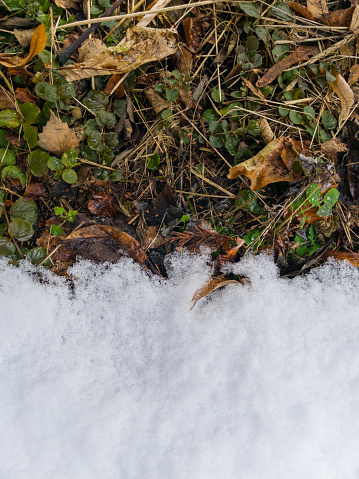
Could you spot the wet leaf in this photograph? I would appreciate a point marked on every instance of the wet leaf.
(37, 256)
(24, 209)
(57, 137)
(103, 205)
(212, 285)
(20, 229)
(301, 53)
(14, 172)
(69, 175)
(329, 200)
(9, 119)
(345, 94)
(7, 157)
(35, 191)
(7, 247)
(272, 164)
(38, 162)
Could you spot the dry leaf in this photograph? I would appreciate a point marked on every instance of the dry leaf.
(265, 131)
(57, 137)
(254, 90)
(143, 45)
(157, 102)
(354, 25)
(185, 60)
(301, 53)
(338, 18)
(68, 3)
(354, 74)
(302, 10)
(272, 164)
(102, 205)
(110, 85)
(353, 258)
(211, 285)
(6, 102)
(317, 7)
(332, 147)
(345, 94)
(24, 95)
(193, 31)
(38, 43)
(24, 36)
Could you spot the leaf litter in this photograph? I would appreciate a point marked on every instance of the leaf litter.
(233, 129)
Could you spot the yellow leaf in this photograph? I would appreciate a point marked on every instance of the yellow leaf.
(345, 94)
(38, 43)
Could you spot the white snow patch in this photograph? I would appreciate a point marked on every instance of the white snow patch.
(117, 379)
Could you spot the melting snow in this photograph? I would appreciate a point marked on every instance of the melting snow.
(117, 379)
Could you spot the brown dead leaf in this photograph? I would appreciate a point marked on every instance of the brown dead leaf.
(354, 24)
(301, 53)
(265, 131)
(317, 7)
(103, 205)
(302, 10)
(157, 102)
(332, 147)
(143, 45)
(68, 4)
(254, 90)
(193, 31)
(23, 94)
(353, 258)
(24, 36)
(272, 164)
(34, 191)
(345, 94)
(338, 18)
(38, 43)
(6, 101)
(149, 235)
(211, 285)
(184, 60)
(353, 75)
(110, 85)
(57, 137)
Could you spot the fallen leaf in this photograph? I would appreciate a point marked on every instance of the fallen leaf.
(196, 237)
(67, 4)
(354, 24)
(102, 204)
(23, 94)
(69, 40)
(143, 45)
(301, 53)
(163, 207)
(272, 164)
(110, 85)
(57, 137)
(354, 74)
(34, 191)
(332, 147)
(157, 102)
(338, 18)
(149, 235)
(24, 36)
(193, 31)
(265, 131)
(353, 258)
(38, 43)
(211, 285)
(184, 60)
(302, 10)
(345, 94)
(6, 103)
(254, 90)
(186, 97)
(317, 7)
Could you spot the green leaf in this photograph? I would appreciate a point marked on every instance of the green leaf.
(330, 77)
(309, 113)
(31, 135)
(216, 141)
(70, 176)
(96, 100)
(94, 140)
(252, 43)
(283, 111)
(253, 128)
(314, 194)
(329, 120)
(3, 140)
(69, 158)
(231, 144)
(256, 60)
(251, 9)
(217, 95)
(282, 11)
(171, 94)
(67, 91)
(3, 228)
(110, 139)
(279, 51)
(263, 34)
(329, 200)
(116, 175)
(7, 247)
(153, 161)
(30, 112)
(55, 164)
(90, 126)
(47, 92)
(20, 229)
(88, 154)
(177, 74)
(210, 115)
(295, 117)
(9, 119)
(106, 119)
(166, 114)
(24, 209)
(58, 210)
(247, 199)
(14, 172)
(38, 162)
(7, 157)
(56, 230)
(214, 127)
(119, 107)
(37, 256)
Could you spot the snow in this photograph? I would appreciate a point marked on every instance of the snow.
(115, 378)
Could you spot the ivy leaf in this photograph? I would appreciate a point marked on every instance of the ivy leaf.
(172, 94)
(14, 172)
(7, 247)
(70, 176)
(9, 119)
(7, 157)
(24, 209)
(20, 229)
(329, 200)
(251, 9)
(38, 162)
(328, 120)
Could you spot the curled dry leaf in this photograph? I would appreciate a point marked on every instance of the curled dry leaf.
(24, 36)
(68, 3)
(254, 90)
(354, 24)
(302, 10)
(196, 237)
(24, 95)
(211, 285)
(353, 258)
(157, 102)
(143, 45)
(353, 75)
(301, 53)
(193, 31)
(345, 94)
(272, 164)
(102, 204)
(332, 147)
(338, 18)
(57, 137)
(38, 43)
(317, 7)
(265, 131)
